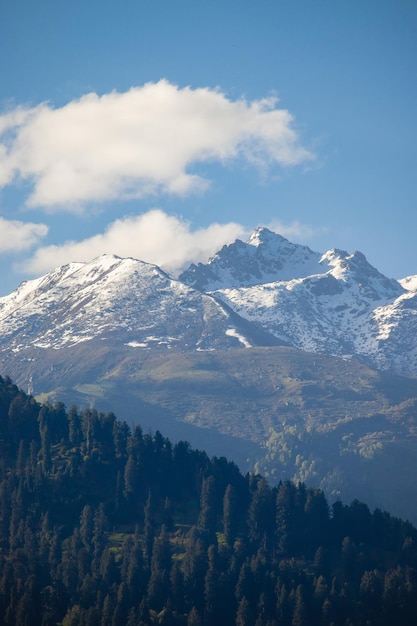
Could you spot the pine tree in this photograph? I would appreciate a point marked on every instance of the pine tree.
(121, 434)
(194, 566)
(148, 530)
(87, 527)
(132, 618)
(211, 589)
(260, 514)
(316, 520)
(100, 530)
(207, 517)
(159, 582)
(244, 616)
(119, 617)
(133, 568)
(74, 616)
(177, 588)
(230, 514)
(107, 611)
(194, 618)
(45, 434)
(300, 615)
(108, 569)
(285, 517)
(74, 426)
(131, 483)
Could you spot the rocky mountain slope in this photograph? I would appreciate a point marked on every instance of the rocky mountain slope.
(136, 302)
(333, 303)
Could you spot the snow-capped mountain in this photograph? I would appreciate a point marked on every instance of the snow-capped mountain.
(265, 291)
(134, 303)
(334, 303)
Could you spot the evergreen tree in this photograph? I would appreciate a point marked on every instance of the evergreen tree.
(159, 582)
(207, 518)
(244, 616)
(230, 514)
(131, 481)
(74, 426)
(261, 513)
(194, 567)
(316, 520)
(300, 614)
(148, 529)
(107, 611)
(212, 610)
(121, 434)
(177, 588)
(119, 617)
(194, 618)
(87, 527)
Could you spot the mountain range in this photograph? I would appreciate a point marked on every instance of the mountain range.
(296, 363)
(266, 291)
(333, 303)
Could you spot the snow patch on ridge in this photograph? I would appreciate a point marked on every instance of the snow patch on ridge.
(409, 283)
(232, 332)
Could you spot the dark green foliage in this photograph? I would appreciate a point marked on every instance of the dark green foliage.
(103, 527)
(207, 518)
(230, 514)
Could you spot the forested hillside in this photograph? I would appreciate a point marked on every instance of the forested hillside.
(104, 525)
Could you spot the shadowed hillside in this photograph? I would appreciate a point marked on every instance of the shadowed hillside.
(330, 421)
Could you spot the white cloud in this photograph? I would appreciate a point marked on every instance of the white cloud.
(154, 237)
(140, 142)
(16, 236)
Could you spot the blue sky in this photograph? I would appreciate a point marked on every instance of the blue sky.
(163, 129)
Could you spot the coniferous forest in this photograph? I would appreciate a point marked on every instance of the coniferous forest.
(102, 524)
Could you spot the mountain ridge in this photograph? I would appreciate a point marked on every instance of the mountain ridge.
(334, 303)
(262, 257)
(266, 291)
(140, 301)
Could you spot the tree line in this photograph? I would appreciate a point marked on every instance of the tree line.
(102, 524)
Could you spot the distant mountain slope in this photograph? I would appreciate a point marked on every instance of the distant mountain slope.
(335, 303)
(136, 301)
(330, 422)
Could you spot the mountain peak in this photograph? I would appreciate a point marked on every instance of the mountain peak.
(354, 268)
(264, 236)
(265, 257)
